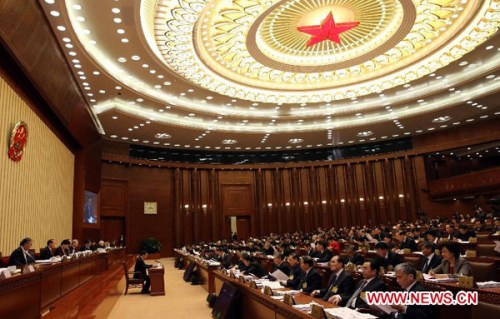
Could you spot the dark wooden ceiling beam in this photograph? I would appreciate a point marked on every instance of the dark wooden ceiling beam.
(32, 58)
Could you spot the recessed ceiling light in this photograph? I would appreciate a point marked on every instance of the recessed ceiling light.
(117, 20)
(72, 53)
(365, 133)
(69, 45)
(115, 10)
(135, 57)
(124, 40)
(441, 119)
(50, 1)
(118, 87)
(167, 83)
(163, 135)
(295, 140)
(80, 19)
(55, 13)
(229, 141)
(120, 31)
(113, 136)
(61, 28)
(122, 59)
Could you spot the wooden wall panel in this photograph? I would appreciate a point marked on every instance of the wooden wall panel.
(36, 194)
(248, 193)
(113, 198)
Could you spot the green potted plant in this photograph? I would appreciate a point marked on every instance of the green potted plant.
(152, 246)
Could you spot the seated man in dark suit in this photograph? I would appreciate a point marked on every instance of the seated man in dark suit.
(340, 285)
(223, 257)
(20, 256)
(323, 254)
(449, 233)
(295, 271)
(429, 259)
(281, 264)
(251, 267)
(355, 257)
(47, 252)
(464, 234)
(406, 276)
(370, 282)
(63, 249)
(310, 280)
(140, 271)
(86, 246)
(406, 242)
(385, 258)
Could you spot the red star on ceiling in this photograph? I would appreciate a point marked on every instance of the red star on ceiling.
(328, 30)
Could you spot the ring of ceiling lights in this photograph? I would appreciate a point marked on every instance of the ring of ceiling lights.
(383, 24)
(443, 32)
(486, 20)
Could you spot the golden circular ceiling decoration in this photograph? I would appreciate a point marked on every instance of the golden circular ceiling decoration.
(251, 49)
(382, 25)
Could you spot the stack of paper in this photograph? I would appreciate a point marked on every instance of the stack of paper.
(283, 292)
(346, 313)
(488, 284)
(272, 284)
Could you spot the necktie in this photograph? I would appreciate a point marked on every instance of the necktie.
(329, 292)
(350, 302)
(424, 270)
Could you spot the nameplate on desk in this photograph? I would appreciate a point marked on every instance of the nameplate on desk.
(318, 312)
(5, 274)
(253, 284)
(288, 299)
(28, 269)
(466, 281)
(406, 251)
(470, 254)
(473, 240)
(268, 291)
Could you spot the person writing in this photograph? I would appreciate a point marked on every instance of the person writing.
(140, 271)
(452, 264)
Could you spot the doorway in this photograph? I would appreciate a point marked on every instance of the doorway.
(239, 225)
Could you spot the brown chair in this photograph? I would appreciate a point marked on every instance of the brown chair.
(483, 238)
(487, 250)
(131, 281)
(483, 271)
(413, 260)
(485, 310)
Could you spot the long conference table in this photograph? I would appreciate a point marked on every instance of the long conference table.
(30, 294)
(255, 304)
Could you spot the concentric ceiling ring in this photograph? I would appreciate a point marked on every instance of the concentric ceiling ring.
(206, 43)
(383, 24)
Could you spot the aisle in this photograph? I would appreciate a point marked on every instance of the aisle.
(181, 300)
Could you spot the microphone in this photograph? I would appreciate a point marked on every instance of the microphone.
(28, 255)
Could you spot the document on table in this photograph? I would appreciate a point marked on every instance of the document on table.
(272, 284)
(346, 313)
(278, 274)
(384, 308)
